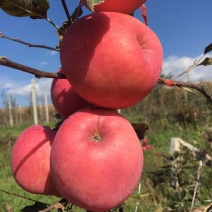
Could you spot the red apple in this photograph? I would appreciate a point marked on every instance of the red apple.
(111, 59)
(122, 6)
(96, 159)
(30, 160)
(65, 99)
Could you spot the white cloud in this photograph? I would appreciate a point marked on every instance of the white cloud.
(176, 65)
(43, 63)
(7, 85)
(43, 86)
(20, 90)
(53, 53)
(23, 90)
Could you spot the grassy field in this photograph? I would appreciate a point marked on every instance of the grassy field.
(151, 198)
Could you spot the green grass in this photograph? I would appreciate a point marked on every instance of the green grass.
(9, 134)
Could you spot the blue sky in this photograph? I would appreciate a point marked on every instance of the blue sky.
(183, 27)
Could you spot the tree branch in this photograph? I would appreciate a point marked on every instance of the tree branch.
(28, 44)
(199, 88)
(42, 74)
(39, 74)
(180, 84)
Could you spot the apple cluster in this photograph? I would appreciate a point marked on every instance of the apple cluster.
(111, 60)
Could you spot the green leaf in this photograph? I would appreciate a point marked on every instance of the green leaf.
(206, 62)
(22, 8)
(92, 3)
(208, 48)
(140, 129)
(188, 90)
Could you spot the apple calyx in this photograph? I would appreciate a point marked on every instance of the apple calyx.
(96, 137)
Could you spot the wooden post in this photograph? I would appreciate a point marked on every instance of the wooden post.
(46, 108)
(10, 110)
(41, 110)
(176, 143)
(185, 92)
(34, 104)
(20, 113)
(174, 146)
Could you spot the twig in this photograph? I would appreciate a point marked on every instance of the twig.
(152, 191)
(66, 10)
(186, 85)
(39, 74)
(78, 9)
(139, 193)
(60, 206)
(55, 206)
(28, 44)
(197, 184)
(195, 63)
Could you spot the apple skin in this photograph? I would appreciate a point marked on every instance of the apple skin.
(30, 160)
(111, 59)
(65, 99)
(121, 6)
(96, 159)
